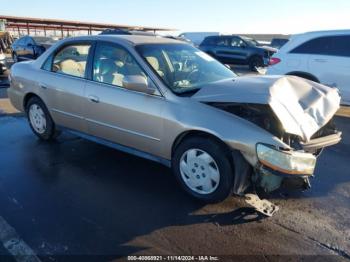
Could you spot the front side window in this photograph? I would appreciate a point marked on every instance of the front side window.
(237, 42)
(71, 60)
(182, 67)
(222, 41)
(112, 63)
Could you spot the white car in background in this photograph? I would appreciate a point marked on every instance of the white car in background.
(3, 66)
(322, 57)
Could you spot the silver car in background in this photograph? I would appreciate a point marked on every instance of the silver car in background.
(167, 101)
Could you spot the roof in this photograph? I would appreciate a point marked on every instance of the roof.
(299, 39)
(327, 32)
(131, 39)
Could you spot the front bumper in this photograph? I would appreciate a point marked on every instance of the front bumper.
(276, 166)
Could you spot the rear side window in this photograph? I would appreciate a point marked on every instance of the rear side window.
(330, 45)
(341, 46)
(71, 60)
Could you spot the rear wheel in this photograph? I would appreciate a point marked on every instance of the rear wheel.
(203, 169)
(255, 62)
(40, 120)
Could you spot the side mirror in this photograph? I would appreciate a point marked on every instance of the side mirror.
(138, 83)
(30, 45)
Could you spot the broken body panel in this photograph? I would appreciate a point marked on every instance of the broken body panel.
(298, 112)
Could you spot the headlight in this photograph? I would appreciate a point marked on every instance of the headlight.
(293, 163)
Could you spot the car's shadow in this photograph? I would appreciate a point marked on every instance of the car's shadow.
(109, 198)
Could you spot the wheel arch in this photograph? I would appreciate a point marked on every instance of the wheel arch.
(198, 133)
(305, 75)
(255, 55)
(27, 97)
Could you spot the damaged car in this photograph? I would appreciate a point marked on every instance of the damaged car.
(167, 101)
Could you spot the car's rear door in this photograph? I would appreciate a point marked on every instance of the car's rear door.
(29, 48)
(63, 84)
(117, 114)
(331, 63)
(20, 48)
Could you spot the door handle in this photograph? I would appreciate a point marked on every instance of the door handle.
(320, 60)
(94, 99)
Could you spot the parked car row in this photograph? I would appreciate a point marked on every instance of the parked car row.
(167, 101)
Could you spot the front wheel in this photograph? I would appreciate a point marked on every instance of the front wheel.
(203, 169)
(40, 120)
(15, 58)
(255, 62)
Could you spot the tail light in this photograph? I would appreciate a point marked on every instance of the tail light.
(274, 61)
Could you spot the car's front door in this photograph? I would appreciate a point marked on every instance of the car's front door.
(238, 50)
(29, 48)
(62, 84)
(230, 50)
(222, 50)
(117, 114)
(20, 47)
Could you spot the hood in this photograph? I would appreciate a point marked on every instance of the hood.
(302, 106)
(269, 48)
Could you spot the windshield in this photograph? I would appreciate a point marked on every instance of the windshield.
(182, 67)
(251, 41)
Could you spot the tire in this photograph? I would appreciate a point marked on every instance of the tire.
(40, 120)
(15, 58)
(196, 172)
(254, 62)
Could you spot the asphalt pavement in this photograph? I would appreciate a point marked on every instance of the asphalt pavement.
(75, 197)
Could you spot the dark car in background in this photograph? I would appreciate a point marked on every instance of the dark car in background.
(234, 49)
(278, 42)
(30, 47)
